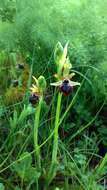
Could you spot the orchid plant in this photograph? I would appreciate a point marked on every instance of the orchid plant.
(37, 92)
(65, 86)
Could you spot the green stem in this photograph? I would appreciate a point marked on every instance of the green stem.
(52, 170)
(36, 126)
(55, 145)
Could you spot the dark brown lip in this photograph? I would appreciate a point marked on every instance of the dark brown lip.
(33, 99)
(65, 88)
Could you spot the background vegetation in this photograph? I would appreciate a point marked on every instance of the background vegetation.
(29, 31)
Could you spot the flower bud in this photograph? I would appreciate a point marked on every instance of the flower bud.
(41, 83)
(58, 52)
(60, 57)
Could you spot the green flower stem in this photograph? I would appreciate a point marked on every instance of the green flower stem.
(55, 145)
(36, 126)
(52, 170)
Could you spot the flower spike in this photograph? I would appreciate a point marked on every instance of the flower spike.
(63, 75)
(37, 89)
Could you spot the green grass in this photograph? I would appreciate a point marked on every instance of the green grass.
(59, 144)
